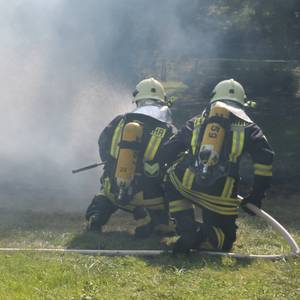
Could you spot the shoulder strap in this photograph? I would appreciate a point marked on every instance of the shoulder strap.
(238, 140)
(114, 148)
(195, 135)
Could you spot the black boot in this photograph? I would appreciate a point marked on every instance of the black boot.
(94, 224)
(187, 242)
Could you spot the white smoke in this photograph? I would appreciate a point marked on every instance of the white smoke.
(52, 109)
(66, 69)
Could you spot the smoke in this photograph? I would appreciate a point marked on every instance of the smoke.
(66, 69)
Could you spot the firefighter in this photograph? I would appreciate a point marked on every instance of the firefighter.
(131, 180)
(206, 154)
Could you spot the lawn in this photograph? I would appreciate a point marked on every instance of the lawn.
(25, 275)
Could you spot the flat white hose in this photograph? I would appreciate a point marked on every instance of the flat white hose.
(259, 212)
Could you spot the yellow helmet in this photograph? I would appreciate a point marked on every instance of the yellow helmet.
(149, 88)
(229, 90)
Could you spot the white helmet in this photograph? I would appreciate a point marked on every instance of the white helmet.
(229, 90)
(149, 89)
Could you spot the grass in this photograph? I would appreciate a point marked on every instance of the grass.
(72, 276)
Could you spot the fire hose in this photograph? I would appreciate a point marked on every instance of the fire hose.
(259, 212)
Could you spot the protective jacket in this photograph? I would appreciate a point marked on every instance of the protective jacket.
(147, 183)
(216, 194)
(220, 194)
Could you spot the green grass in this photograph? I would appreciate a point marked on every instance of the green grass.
(73, 276)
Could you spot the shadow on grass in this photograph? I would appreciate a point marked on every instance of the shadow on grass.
(121, 240)
(196, 261)
(116, 240)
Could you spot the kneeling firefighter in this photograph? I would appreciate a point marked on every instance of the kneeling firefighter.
(131, 180)
(206, 174)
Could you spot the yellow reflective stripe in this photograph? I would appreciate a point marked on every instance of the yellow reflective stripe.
(153, 201)
(151, 169)
(215, 199)
(263, 170)
(180, 205)
(220, 236)
(114, 148)
(242, 142)
(138, 199)
(196, 131)
(143, 221)
(215, 208)
(152, 147)
(238, 139)
(227, 191)
(231, 202)
(263, 173)
(233, 147)
(262, 166)
(156, 207)
(188, 178)
(106, 186)
(206, 245)
(217, 236)
(216, 204)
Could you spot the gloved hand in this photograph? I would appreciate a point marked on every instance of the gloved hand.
(186, 242)
(253, 198)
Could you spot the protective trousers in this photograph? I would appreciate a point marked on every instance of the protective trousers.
(147, 220)
(215, 232)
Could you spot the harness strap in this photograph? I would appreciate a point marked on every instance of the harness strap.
(238, 141)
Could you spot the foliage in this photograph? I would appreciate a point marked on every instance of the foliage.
(248, 29)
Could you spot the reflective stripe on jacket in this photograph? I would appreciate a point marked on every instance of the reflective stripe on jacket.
(221, 196)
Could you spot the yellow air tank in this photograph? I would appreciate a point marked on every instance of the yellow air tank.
(127, 157)
(213, 137)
